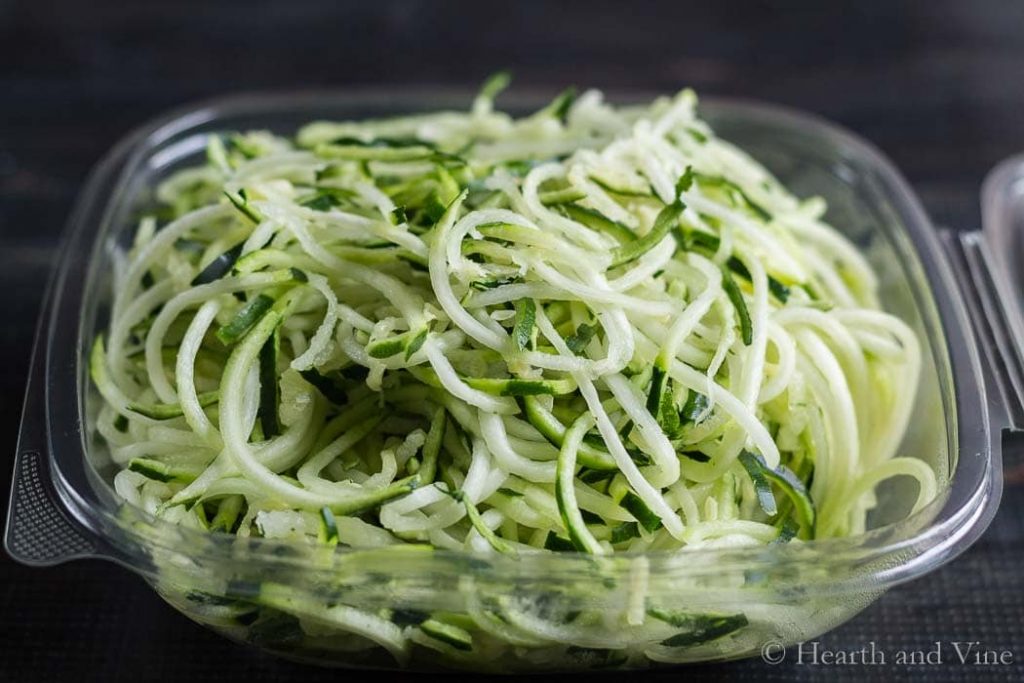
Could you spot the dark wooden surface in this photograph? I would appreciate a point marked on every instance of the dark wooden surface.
(938, 86)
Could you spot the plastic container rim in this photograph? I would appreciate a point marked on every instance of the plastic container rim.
(970, 433)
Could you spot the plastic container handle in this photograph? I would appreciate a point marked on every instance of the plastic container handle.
(38, 532)
(992, 319)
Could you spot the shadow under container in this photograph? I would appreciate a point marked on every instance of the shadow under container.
(291, 598)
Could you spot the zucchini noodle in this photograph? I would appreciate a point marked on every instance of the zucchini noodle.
(590, 329)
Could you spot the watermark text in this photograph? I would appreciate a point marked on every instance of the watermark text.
(955, 652)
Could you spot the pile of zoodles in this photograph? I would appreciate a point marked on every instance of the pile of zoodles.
(591, 329)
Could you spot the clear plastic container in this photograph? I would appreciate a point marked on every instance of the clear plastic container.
(63, 507)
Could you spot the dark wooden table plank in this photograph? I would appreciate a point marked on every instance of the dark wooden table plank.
(937, 86)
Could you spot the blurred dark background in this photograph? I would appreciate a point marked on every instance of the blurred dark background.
(938, 86)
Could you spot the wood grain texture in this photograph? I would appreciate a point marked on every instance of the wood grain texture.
(938, 86)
